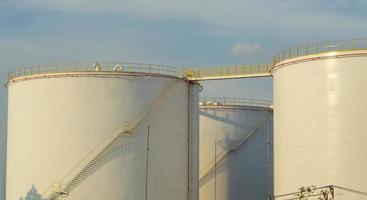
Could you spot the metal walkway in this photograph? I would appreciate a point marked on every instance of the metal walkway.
(103, 69)
(195, 74)
(228, 72)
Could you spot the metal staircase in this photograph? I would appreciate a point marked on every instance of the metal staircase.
(210, 168)
(108, 149)
(114, 150)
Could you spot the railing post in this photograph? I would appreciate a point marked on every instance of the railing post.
(306, 49)
(297, 51)
(290, 49)
(317, 47)
(329, 46)
(341, 45)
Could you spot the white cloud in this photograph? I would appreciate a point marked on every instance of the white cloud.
(245, 49)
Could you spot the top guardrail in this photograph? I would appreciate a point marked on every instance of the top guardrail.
(235, 102)
(93, 67)
(228, 72)
(320, 47)
(195, 74)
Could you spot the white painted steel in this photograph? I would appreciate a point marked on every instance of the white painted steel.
(55, 122)
(3, 163)
(320, 133)
(239, 136)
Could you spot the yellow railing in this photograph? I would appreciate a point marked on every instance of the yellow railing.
(99, 67)
(235, 102)
(228, 72)
(196, 74)
(320, 47)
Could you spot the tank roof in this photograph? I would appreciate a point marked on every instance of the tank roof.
(320, 47)
(93, 68)
(237, 102)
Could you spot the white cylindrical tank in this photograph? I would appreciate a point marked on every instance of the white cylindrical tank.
(2, 162)
(102, 132)
(319, 109)
(235, 149)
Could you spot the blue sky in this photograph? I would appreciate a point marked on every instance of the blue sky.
(179, 33)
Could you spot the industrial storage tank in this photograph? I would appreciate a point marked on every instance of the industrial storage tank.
(320, 144)
(2, 162)
(235, 149)
(102, 131)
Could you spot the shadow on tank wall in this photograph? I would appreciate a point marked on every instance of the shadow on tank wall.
(244, 160)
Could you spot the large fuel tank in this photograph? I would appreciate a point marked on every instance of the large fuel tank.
(235, 149)
(102, 131)
(319, 116)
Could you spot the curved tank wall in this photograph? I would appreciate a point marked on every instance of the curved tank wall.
(2, 161)
(85, 136)
(319, 109)
(235, 151)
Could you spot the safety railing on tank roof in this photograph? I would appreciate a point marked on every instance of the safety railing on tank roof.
(320, 47)
(235, 102)
(228, 72)
(93, 67)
